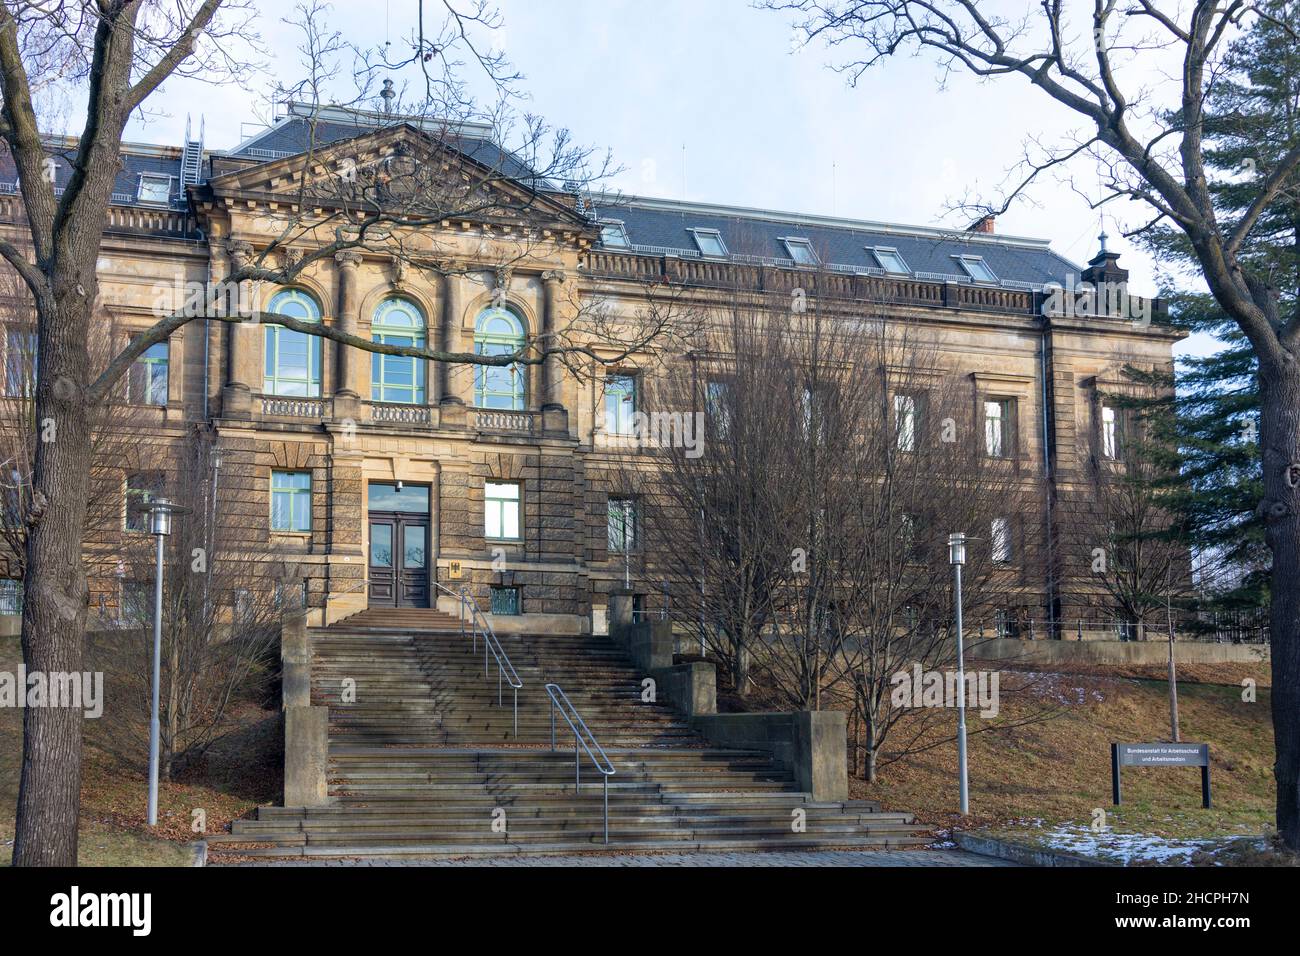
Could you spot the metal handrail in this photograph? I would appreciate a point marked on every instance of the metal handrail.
(480, 624)
(570, 715)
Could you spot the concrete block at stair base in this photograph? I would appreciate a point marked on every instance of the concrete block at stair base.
(691, 688)
(649, 643)
(306, 756)
(620, 610)
(821, 754)
(295, 662)
(812, 745)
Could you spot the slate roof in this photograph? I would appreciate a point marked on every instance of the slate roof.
(654, 226)
(127, 183)
(664, 226)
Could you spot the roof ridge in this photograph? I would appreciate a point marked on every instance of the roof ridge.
(816, 219)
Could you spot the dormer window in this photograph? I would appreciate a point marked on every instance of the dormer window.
(801, 251)
(154, 188)
(613, 235)
(709, 242)
(977, 268)
(889, 259)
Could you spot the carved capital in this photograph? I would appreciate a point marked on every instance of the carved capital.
(554, 275)
(347, 259)
(240, 252)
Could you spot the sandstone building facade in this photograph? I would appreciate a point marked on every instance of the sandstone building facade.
(381, 478)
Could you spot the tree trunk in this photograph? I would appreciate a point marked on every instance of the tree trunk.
(740, 669)
(54, 582)
(1280, 410)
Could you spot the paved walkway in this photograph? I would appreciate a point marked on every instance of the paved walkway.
(840, 858)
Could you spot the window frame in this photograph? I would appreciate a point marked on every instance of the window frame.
(799, 242)
(1002, 549)
(630, 538)
(517, 500)
(23, 341)
(913, 418)
(965, 261)
(273, 381)
(149, 365)
(634, 392)
(619, 226)
(295, 494)
(1112, 433)
(156, 178)
(130, 513)
(696, 232)
(483, 340)
(876, 252)
(1006, 420)
(417, 391)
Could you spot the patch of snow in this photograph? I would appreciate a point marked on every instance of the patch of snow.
(1127, 848)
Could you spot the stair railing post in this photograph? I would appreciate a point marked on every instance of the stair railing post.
(552, 724)
(516, 709)
(606, 778)
(577, 765)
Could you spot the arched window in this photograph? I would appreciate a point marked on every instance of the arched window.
(498, 332)
(292, 358)
(397, 378)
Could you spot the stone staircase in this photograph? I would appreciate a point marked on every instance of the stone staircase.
(423, 760)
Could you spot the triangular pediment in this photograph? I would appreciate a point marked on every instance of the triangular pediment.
(403, 171)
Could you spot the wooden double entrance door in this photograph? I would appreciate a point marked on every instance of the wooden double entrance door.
(399, 545)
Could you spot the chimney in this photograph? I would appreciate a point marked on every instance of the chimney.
(986, 225)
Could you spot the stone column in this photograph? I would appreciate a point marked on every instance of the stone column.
(453, 298)
(241, 347)
(347, 398)
(549, 385)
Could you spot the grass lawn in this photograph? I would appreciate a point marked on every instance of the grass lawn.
(1045, 782)
(114, 831)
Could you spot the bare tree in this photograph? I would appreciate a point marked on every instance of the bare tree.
(421, 171)
(221, 621)
(1150, 149)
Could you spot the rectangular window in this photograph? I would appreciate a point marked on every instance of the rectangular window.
(997, 427)
(501, 510)
(291, 501)
(141, 488)
(156, 189)
(709, 242)
(20, 363)
(801, 251)
(889, 259)
(620, 404)
(146, 383)
(505, 601)
(613, 235)
(717, 402)
(977, 268)
(1001, 540)
(905, 421)
(622, 525)
(1112, 445)
(11, 597)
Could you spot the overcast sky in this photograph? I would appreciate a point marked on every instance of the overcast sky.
(708, 100)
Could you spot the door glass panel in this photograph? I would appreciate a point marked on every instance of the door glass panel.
(413, 543)
(381, 545)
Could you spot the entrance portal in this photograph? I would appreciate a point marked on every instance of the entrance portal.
(399, 545)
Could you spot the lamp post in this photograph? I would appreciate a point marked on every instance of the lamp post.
(957, 557)
(160, 526)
